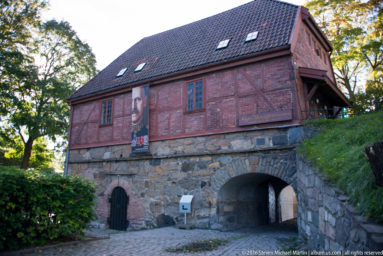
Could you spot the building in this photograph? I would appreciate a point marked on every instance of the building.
(211, 109)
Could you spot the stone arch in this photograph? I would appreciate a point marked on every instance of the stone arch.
(280, 165)
(242, 188)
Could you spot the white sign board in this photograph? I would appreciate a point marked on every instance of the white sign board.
(185, 203)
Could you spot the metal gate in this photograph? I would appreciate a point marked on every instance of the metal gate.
(118, 209)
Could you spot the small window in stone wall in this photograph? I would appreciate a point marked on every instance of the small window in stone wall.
(308, 38)
(318, 52)
(325, 57)
(106, 112)
(194, 96)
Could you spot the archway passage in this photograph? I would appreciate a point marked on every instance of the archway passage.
(287, 203)
(250, 200)
(118, 209)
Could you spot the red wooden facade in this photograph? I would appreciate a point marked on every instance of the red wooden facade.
(261, 91)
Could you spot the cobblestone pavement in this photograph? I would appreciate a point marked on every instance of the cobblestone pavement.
(156, 241)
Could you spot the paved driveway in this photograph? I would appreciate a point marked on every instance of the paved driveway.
(156, 241)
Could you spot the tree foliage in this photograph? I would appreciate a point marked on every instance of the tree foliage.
(355, 29)
(17, 20)
(49, 62)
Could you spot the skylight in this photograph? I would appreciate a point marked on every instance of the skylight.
(140, 67)
(121, 73)
(252, 36)
(223, 44)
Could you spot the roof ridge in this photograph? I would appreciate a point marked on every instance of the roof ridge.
(200, 20)
(282, 2)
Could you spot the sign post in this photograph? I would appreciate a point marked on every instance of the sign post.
(185, 205)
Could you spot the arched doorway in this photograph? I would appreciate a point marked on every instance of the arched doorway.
(249, 200)
(287, 204)
(118, 209)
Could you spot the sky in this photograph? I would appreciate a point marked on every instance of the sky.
(110, 27)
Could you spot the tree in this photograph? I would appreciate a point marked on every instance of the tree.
(355, 29)
(342, 25)
(12, 149)
(17, 20)
(57, 63)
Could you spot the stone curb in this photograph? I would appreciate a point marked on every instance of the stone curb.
(42, 248)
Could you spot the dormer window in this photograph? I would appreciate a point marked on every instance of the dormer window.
(140, 67)
(223, 44)
(251, 36)
(122, 72)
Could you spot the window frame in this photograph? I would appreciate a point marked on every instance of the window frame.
(223, 44)
(186, 98)
(102, 115)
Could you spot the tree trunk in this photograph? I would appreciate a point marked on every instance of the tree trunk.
(27, 153)
(375, 156)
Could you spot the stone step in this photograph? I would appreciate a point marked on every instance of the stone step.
(377, 239)
(373, 228)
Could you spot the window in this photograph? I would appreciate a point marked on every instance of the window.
(223, 44)
(106, 112)
(252, 36)
(308, 38)
(121, 73)
(318, 52)
(140, 67)
(194, 96)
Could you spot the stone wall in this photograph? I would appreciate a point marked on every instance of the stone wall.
(325, 218)
(199, 166)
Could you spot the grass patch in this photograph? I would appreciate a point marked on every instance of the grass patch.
(199, 246)
(338, 151)
(293, 246)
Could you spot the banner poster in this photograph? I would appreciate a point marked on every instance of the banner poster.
(140, 119)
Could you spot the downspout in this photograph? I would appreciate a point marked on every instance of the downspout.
(69, 139)
(66, 162)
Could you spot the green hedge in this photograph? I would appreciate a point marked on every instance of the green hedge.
(36, 208)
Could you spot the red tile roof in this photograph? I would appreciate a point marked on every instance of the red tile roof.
(194, 45)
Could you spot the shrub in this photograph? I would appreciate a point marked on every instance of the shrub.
(36, 208)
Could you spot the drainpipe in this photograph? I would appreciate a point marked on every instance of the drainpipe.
(66, 163)
(67, 149)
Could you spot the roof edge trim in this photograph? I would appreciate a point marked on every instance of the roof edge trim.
(319, 74)
(311, 23)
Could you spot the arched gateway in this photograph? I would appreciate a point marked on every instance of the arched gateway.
(249, 200)
(250, 194)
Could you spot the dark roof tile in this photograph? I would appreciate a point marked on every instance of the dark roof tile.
(195, 44)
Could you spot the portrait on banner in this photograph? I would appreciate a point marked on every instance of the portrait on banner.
(140, 119)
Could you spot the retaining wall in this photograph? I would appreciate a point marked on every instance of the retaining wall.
(326, 220)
